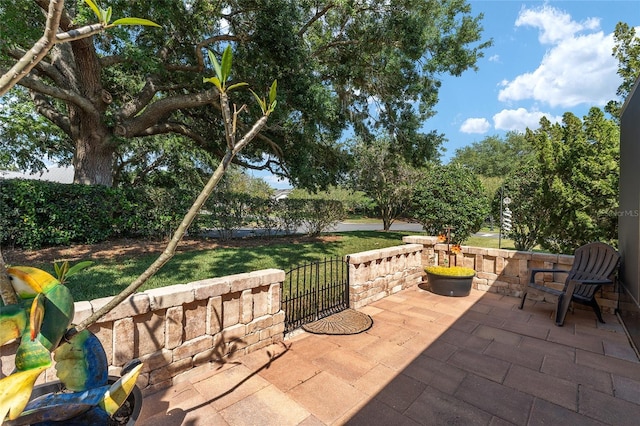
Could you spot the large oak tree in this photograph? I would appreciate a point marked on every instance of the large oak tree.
(113, 98)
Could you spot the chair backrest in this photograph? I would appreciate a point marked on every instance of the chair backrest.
(593, 261)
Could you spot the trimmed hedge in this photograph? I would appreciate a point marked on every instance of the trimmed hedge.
(35, 214)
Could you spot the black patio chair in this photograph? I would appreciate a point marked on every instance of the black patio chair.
(594, 265)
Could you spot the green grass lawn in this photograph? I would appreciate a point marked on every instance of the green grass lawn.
(107, 278)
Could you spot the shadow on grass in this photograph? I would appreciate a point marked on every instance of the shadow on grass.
(109, 278)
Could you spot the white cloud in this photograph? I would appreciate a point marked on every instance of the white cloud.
(494, 58)
(578, 69)
(520, 119)
(475, 125)
(554, 25)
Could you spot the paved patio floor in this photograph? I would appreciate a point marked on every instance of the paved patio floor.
(428, 360)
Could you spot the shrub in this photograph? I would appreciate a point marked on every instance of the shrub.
(36, 213)
(450, 196)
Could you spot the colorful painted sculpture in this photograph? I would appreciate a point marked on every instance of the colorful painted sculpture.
(40, 321)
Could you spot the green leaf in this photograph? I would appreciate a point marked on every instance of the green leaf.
(93, 7)
(134, 21)
(227, 57)
(272, 92)
(261, 102)
(216, 67)
(214, 80)
(235, 86)
(103, 16)
(79, 267)
(108, 17)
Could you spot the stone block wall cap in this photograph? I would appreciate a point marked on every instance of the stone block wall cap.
(166, 297)
(420, 239)
(370, 255)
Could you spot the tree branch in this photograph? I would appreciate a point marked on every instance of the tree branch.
(38, 51)
(45, 108)
(43, 67)
(155, 111)
(35, 84)
(163, 128)
(319, 14)
(136, 105)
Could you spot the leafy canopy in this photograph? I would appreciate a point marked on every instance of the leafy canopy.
(366, 66)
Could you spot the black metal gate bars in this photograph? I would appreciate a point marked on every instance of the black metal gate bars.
(315, 290)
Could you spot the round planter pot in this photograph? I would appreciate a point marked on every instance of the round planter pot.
(447, 285)
(134, 400)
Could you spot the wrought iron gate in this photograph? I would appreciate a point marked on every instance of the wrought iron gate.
(315, 290)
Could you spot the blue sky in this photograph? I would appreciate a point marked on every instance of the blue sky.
(548, 57)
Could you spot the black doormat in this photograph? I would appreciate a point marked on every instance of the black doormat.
(346, 322)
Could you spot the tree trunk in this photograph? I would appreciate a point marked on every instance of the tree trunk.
(94, 156)
(93, 160)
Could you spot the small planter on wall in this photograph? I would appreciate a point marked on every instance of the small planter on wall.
(450, 281)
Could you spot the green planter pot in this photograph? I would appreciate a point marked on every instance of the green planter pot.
(450, 285)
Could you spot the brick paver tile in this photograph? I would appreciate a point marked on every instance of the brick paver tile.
(546, 413)
(619, 349)
(354, 341)
(549, 348)
(539, 331)
(499, 400)
(607, 408)
(581, 341)
(579, 374)
(438, 408)
(626, 388)
(374, 380)
(437, 374)
(529, 358)
(343, 363)
(391, 333)
(177, 405)
(400, 393)
(465, 325)
(441, 350)
(486, 319)
(288, 371)
(550, 388)
(422, 341)
(310, 346)
(326, 396)
(630, 369)
(496, 334)
(268, 406)
(483, 365)
(377, 412)
(465, 340)
(422, 313)
(230, 386)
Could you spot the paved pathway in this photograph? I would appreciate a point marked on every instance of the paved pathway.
(428, 360)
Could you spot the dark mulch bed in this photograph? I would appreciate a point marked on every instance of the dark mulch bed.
(128, 248)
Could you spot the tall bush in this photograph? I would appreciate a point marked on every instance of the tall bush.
(450, 196)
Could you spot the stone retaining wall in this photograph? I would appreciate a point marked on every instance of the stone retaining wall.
(507, 271)
(184, 327)
(378, 273)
